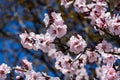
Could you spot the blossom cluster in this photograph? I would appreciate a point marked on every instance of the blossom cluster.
(73, 67)
(25, 70)
(42, 41)
(99, 14)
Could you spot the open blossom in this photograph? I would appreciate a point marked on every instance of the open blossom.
(111, 74)
(80, 62)
(103, 21)
(81, 74)
(26, 64)
(55, 54)
(53, 17)
(66, 3)
(37, 41)
(104, 47)
(114, 25)
(64, 64)
(57, 30)
(34, 76)
(57, 18)
(4, 70)
(45, 42)
(96, 12)
(106, 73)
(80, 6)
(76, 44)
(108, 59)
(100, 2)
(92, 56)
(27, 40)
(26, 71)
(99, 72)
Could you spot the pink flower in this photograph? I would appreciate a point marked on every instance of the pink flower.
(55, 17)
(4, 70)
(80, 6)
(114, 25)
(104, 47)
(63, 63)
(100, 2)
(103, 21)
(80, 62)
(45, 42)
(106, 73)
(92, 56)
(76, 44)
(26, 64)
(27, 40)
(66, 3)
(111, 74)
(55, 54)
(34, 76)
(81, 74)
(108, 59)
(57, 30)
(99, 72)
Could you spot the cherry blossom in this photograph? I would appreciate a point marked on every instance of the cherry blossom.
(80, 62)
(30, 74)
(57, 18)
(4, 70)
(57, 30)
(92, 56)
(34, 76)
(80, 6)
(26, 64)
(96, 12)
(66, 3)
(53, 17)
(27, 40)
(76, 44)
(107, 73)
(108, 59)
(82, 74)
(111, 74)
(104, 47)
(45, 42)
(103, 21)
(64, 64)
(114, 25)
(55, 54)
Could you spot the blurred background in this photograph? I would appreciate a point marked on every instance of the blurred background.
(16, 16)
